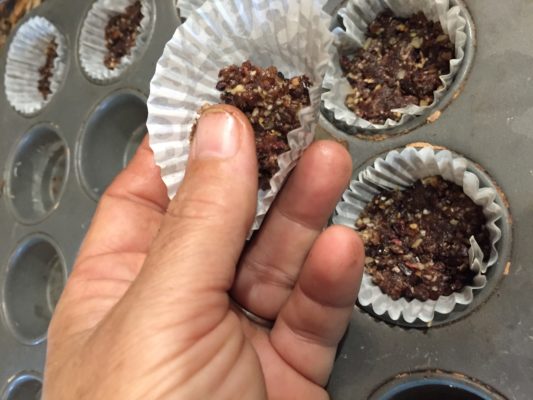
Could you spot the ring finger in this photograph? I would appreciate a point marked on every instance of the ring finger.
(271, 263)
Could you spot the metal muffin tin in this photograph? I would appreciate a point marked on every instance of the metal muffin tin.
(487, 119)
(88, 132)
(55, 165)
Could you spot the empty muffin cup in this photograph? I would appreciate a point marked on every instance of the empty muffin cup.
(26, 385)
(113, 36)
(35, 66)
(350, 33)
(35, 277)
(398, 171)
(290, 35)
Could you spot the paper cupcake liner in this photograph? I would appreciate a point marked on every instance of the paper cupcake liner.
(187, 7)
(397, 171)
(92, 48)
(355, 18)
(291, 35)
(26, 55)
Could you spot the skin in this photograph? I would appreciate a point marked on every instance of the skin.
(146, 313)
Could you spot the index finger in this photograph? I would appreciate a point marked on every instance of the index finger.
(129, 213)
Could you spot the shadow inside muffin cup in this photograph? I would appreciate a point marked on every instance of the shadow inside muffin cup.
(349, 25)
(109, 139)
(425, 385)
(124, 45)
(37, 174)
(35, 277)
(35, 66)
(26, 385)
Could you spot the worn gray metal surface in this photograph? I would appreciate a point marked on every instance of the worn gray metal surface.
(489, 122)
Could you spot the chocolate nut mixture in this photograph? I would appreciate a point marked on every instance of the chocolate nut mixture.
(399, 64)
(417, 240)
(271, 102)
(11, 11)
(121, 33)
(46, 71)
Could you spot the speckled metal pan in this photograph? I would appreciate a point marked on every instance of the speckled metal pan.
(485, 351)
(74, 149)
(55, 165)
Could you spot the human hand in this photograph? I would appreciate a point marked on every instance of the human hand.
(146, 313)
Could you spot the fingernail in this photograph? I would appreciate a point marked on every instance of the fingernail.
(217, 135)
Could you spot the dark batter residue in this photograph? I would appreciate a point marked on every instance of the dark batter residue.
(417, 240)
(121, 34)
(399, 64)
(47, 70)
(271, 102)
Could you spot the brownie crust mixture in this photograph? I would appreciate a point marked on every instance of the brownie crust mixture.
(271, 102)
(399, 64)
(121, 34)
(417, 240)
(46, 71)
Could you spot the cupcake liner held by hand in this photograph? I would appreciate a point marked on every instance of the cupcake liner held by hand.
(354, 20)
(399, 170)
(93, 49)
(35, 66)
(290, 35)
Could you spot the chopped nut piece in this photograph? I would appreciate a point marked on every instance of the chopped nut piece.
(417, 243)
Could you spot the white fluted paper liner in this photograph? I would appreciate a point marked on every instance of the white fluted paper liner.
(187, 7)
(399, 170)
(292, 35)
(355, 17)
(26, 55)
(92, 48)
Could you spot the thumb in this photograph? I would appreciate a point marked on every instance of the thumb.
(206, 224)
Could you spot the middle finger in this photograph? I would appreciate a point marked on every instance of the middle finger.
(271, 263)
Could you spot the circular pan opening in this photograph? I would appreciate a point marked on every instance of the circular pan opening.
(435, 385)
(493, 274)
(109, 140)
(338, 128)
(23, 386)
(35, 277)
(37, 174)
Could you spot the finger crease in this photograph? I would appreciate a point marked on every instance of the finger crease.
(136, 199)
(270, 274)
(298, 221)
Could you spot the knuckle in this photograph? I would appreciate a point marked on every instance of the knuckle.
(207, 203)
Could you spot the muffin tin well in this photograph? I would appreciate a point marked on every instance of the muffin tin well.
(37, 173)
(494, 272)
(109, 138)
(71, 149)
(434, 385)
(26, 385)
(431, 114)
(55, 164)
(35, 276)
